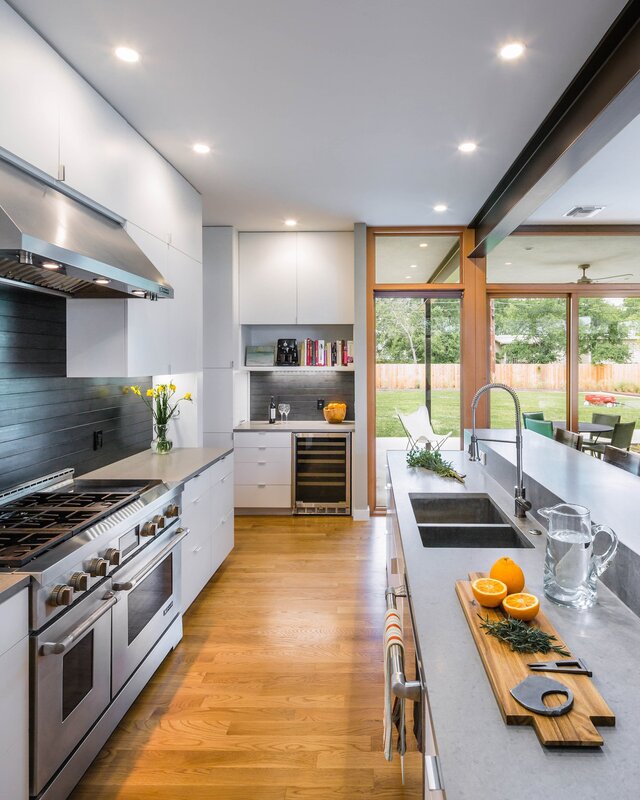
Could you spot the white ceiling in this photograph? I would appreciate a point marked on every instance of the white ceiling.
(335, 111)
(611, 179)
(555, 259)
(400, 259)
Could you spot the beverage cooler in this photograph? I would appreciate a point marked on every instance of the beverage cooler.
(322, 473)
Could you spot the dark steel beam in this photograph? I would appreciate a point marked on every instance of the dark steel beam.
(599, 102)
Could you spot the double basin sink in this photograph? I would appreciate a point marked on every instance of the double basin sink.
(469, 520)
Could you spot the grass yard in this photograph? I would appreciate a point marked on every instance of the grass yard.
(445, 411)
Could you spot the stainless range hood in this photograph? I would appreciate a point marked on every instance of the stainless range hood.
(52, 242)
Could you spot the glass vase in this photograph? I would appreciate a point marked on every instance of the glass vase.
(161, 444)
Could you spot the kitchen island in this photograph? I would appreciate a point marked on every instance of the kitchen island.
(480, 756)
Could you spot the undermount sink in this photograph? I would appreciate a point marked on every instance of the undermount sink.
(472, 520)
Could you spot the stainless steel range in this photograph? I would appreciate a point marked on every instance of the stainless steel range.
(104, 562)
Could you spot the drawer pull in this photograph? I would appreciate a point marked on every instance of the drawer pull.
(262, 486)
(262, 448)
(197, 549)
(262, 463)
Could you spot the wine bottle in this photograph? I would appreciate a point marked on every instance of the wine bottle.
(272, 412)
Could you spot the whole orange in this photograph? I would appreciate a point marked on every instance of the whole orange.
(507, 571)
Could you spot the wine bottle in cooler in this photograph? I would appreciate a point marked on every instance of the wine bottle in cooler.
(272, 412)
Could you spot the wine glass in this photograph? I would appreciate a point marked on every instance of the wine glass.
(287, 409)
(281, 408)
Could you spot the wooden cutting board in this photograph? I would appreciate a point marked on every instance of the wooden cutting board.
(506, 669)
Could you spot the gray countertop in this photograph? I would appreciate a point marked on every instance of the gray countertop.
(304, 426)
(609, 492)
(10, 584)
(177, 466)
(480, 755)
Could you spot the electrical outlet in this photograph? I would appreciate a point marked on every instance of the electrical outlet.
(320, 404)
(97, 440)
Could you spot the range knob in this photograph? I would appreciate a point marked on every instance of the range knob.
(172, 511)
(158, 520)
(80, 581)
(98, 567)
(113, 556)
(61, 595)
(148, 529)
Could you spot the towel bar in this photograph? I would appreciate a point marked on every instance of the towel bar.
(400, 686)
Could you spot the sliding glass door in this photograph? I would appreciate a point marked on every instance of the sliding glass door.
(528, 351)
(417, 346)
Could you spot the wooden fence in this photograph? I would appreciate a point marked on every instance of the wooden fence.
(544, 377)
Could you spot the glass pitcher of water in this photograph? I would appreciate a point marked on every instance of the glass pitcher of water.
(571, 566)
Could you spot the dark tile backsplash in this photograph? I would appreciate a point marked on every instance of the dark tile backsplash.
(46, 419)
(302, 390)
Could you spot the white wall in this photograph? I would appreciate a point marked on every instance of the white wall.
(186, 429)
(359, 455)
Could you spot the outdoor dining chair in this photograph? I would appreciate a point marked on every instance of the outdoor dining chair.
(419, 430)
(542, 426)
(621, 438)
(569, 438)
(629, 462)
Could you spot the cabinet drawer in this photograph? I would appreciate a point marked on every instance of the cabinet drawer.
(222, 498)
(253, 455)
(263, 472)
(222, 543)
(221, 468)
(14, 623)
(202, 482)
(263, 496)
(262, 439)
(14, 712)
(196, 564)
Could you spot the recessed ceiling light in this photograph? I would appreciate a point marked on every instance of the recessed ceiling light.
(467, 147)
(407, 277)
(413, 266)
(201, 148)
(440, 207)
(291, 222)
(102, 281)
(511, 51)
(127, 54)
(50, 265)
(507, 263)
(423, 244)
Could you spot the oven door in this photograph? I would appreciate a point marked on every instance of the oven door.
(148, 590)
(71, 662)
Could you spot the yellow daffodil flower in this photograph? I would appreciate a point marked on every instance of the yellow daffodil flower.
(172, 386)
(149, 392)
(187, 396)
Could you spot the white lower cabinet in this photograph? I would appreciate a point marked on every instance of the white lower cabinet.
(263, 470)
(14, 701)
(207, 510)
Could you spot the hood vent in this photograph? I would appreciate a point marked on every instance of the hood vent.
(583, 212)
(87, 254)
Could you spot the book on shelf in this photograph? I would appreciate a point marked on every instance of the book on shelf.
(321, 353)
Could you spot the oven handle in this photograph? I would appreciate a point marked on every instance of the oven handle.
(57, 648)
(127, 586)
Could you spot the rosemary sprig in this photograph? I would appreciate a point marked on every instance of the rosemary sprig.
(521, 637)
(431, 459)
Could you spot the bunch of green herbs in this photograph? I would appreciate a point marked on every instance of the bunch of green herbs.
(522, 637)
(433, 460)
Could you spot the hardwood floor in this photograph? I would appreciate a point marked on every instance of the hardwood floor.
(276, 690)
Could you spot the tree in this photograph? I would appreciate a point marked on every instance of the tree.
(603, 331)
(537, 325)
(401, 328)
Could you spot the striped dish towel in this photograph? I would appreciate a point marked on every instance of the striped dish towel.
(393, 706)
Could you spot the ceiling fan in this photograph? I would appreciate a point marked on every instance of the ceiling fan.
(583, 278)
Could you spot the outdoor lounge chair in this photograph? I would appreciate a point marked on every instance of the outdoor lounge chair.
(417, 426)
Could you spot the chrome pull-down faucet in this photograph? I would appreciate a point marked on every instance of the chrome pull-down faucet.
(522, 504)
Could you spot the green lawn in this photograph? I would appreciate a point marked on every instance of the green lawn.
(445, 410)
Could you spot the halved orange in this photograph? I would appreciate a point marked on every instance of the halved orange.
(521, 606)
(489, 592)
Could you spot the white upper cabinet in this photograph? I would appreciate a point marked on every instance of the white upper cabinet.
(296, 278)
(219, 267)
(267, 278)
(325, 276)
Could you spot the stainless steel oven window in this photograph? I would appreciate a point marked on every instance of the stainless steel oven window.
(77, 674)
(146, 599)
